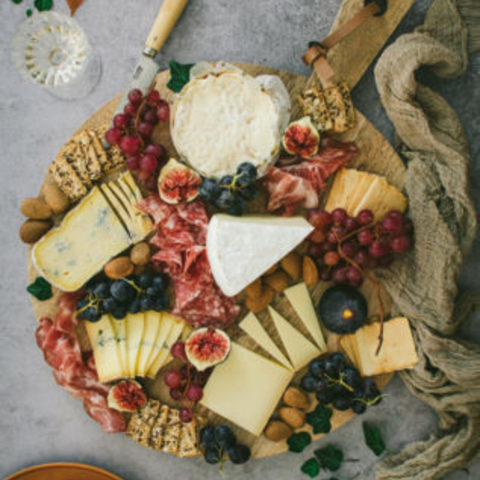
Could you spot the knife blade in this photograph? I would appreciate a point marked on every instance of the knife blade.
(147, 66)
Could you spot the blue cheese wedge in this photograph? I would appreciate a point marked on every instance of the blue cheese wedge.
(240, 249)
(89, 235)
(134, 326)
(152, 324)
(103, 339)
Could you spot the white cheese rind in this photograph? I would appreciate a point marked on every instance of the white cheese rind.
(252, 326)
(240, 249)
(89, 235)
(300, 299)
(246, 388)
(298, 348)
(222, 119)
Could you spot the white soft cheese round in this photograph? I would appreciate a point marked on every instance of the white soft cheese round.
(220, 120)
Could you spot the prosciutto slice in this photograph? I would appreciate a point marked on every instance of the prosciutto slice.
(298, 185)
(73, 370)
(181, 242)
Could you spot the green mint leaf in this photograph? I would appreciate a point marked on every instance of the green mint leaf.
(373, 438)
(179, 75)
(310, 468)
(319, 419)
(298, 441)
(17, 1)
(40, 289)
(29, 12)
(43, 5)
(329, 457)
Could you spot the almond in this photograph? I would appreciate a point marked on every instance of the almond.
(277, 431)
(278, 281)
(310, 271)
(33, 230)
(293, 416)
(254, 290)
(140, 254)
(272, 269)
(35, 209)
(292, 264)
(260, 303)
(294, 397)
(54, 197)
(119, 267)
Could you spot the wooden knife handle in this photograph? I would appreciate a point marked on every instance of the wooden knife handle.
(166, 19)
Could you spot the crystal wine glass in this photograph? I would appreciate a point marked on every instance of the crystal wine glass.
(52, 50)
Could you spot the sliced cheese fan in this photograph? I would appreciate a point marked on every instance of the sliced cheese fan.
(355, 191)
(240, 249)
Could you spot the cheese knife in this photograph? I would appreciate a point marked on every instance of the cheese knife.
(147, 67)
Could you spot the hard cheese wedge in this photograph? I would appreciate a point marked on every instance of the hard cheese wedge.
(103, 339)
(356, 191)
(246, 388)
(152, 324)
(300, 299)
(176, 327)
(135, 324)
(240, 249)
(299, 349)
(89, 235)
(397, 353)
(254, 328)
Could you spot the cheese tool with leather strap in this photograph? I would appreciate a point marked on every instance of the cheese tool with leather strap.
(329, 104)
(147, 67)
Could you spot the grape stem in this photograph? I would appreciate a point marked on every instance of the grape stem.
(368, 276)
(137, 120)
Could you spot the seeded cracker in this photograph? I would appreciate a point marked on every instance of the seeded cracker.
(142, 421)
(314, 105)
(67, 179)
(157, 434)
(337, 109)
(172, 432)
(91, 158)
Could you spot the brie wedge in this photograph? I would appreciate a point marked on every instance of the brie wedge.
(240, 249)
(224, 117)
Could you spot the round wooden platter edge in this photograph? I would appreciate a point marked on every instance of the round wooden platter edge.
(376, 155)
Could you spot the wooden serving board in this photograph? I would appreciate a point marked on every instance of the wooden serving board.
(349, 59)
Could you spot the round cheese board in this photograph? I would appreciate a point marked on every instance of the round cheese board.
(375, 155)
(63, 471)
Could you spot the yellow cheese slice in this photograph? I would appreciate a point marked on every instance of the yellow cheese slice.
(398, 349)
(135, 324)
(246, 388)
(251, 326)
(119, 327)
(89, 235)
(300, 299)
(298, 348)
(164, 329)
(175, 332)
(152, 325)
(103, 339)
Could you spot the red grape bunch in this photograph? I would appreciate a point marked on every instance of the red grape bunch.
(185, 383)
(345, 247)
(132, 131)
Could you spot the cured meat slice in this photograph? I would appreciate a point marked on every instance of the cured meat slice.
(298, 185)
(181, 242)
(73, 370)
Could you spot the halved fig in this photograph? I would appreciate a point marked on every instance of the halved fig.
(301, 138)
(177, 183)
(206, 347)
(126, 396)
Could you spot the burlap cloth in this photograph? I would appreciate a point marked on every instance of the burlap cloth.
(423, 283)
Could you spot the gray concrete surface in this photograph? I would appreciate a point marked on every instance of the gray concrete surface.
(39, 421)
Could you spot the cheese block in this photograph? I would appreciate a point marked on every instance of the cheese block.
(177, 325)
(355, 191)
(240, 249)
(398, 349)
(135, 324)
(224, 118)
(300, 299)
(299, 349)
(103, 340)
(246, 388)
(251, 326)
(89, 235)
(152, 324)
